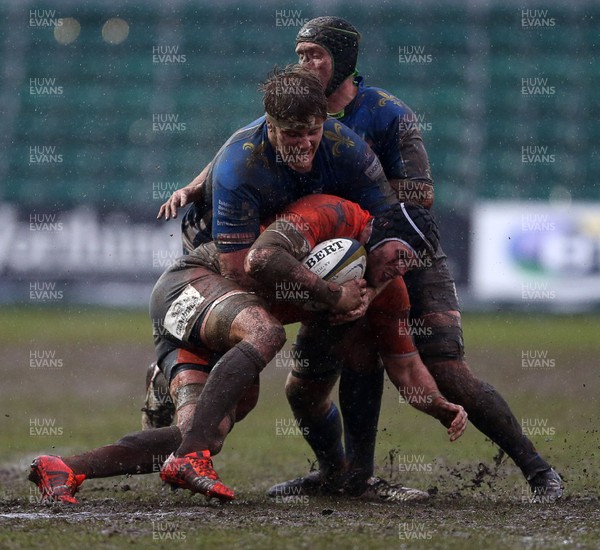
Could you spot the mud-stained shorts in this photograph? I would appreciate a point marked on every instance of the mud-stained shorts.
(432, 290)
(192, 311)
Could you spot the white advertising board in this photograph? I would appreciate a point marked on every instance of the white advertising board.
(536, 252)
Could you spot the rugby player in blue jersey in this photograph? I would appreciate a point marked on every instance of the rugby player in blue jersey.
(329, 47)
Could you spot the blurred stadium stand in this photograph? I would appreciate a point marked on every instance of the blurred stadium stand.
(467, 94)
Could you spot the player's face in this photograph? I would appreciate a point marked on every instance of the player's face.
(315, 58)
(297, 147)
(388, 261)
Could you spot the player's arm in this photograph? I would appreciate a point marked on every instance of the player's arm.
(405, 159)
(368, 186)
(417, 387)
(235, 217)
(274, 258)
(190, 193)
(389, 319)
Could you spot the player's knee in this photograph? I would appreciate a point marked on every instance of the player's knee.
(297, 394)
(293, 387)
(267, 336)
(439, 337)
(275, 335)
(307, 397)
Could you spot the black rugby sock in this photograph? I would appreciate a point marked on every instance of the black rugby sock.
(360, 402)
(233, 374)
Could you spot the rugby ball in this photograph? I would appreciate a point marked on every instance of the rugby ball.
(337, 260)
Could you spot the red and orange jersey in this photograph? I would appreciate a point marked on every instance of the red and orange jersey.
(320, 217)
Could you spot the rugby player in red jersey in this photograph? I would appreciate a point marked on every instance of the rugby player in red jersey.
(203, 312)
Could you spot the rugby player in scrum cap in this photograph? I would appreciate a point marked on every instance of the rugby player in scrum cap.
(329, 47)
(203, 312)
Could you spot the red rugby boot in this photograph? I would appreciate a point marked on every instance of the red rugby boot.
(195, 472)
(55, 480)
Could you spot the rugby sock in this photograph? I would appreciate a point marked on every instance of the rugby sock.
(233, 374)
(360, 401)
(137, 453)
(324, 435)
(488, 412)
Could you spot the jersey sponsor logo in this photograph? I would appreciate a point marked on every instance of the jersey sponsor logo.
(236, 214)
(374, 170)
(182, 314)
(227, 239)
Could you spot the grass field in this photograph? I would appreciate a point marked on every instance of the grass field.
(73, 379)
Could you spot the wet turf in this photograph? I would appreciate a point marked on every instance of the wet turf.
(481, 499)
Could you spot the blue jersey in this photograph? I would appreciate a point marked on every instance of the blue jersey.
(391, 129)
(248, 182)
